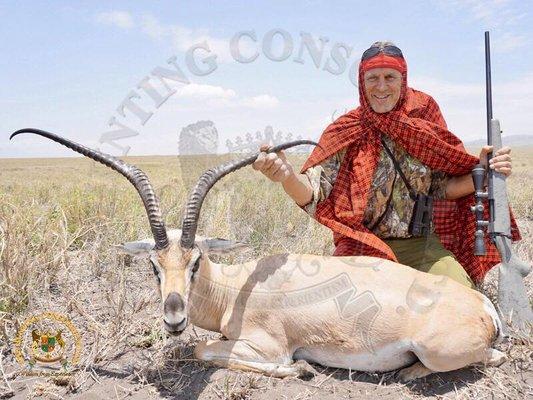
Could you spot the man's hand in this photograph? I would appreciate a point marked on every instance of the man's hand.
(273, 165)
(276, 168)
(459, 186)
(500, 161)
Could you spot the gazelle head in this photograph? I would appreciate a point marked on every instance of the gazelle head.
(176, 255)
(175, 269)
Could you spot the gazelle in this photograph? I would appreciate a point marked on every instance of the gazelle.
(283, 310)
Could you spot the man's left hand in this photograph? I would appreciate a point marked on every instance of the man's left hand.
(500, 161)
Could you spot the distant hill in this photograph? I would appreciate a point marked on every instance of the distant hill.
(511, 140)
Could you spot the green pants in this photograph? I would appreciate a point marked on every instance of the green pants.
(429, 255)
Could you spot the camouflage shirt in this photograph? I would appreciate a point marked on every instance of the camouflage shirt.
(386, 218)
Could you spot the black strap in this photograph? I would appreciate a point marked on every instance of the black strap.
(412, 193)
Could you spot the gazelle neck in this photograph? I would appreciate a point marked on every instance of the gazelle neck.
(209, 295)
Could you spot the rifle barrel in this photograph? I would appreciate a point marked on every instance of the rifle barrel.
(490, 172)
(488, 86)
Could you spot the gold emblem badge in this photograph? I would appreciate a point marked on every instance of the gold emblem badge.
(48, 341)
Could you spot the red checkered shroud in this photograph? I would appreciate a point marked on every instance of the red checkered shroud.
(416, 124)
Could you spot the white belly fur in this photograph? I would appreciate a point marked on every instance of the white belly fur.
(386, 358)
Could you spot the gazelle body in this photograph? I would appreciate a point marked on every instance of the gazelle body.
(359, 313)
(281, 311)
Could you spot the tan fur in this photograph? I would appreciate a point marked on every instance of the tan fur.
(173, 261)
(360, 312)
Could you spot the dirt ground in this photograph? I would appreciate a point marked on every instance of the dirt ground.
(137, 361)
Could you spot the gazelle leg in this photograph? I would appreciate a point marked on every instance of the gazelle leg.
(494, 358)
(415, 371)
(237, 354)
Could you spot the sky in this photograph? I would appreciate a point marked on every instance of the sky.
(72, 67)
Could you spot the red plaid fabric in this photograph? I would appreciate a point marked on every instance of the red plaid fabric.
(416, 124)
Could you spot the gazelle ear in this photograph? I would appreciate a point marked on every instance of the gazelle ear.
(139, 248)
(211, 245)
(221, 246)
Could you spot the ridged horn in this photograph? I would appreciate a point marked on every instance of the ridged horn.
(133, 174)
(208, 180)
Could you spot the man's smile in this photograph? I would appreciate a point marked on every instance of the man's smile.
(382, 97)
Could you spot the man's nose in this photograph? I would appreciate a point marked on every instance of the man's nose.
(381, 84)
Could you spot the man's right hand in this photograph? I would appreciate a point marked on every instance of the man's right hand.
(273, 165)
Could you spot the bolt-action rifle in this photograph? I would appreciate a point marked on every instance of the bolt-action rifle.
(513, 302)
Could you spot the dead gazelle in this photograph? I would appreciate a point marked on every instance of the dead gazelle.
(354, 312)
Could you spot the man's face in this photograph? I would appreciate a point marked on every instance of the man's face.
(382, 88)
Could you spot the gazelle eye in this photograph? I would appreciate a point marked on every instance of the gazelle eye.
(195, 268)
(156, 273)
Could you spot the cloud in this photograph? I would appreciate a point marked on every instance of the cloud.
(121, 19)
(508, 42)
(463, 105)
(446, 90)
(183, 38)
(517, 91)
(491, 12)
(198, 91)
(261, 101)
(499, 15)
(218, 96)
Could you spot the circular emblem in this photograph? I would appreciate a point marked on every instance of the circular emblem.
(48, 342)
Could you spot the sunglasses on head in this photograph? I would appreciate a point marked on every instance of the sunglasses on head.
(392, 51)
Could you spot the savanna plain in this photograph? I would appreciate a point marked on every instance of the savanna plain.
(59, 222)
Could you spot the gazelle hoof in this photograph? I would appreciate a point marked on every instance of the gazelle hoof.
(415, 371)
(304, 369)
(494, 358)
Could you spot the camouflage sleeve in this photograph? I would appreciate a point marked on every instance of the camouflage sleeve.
(439, 181)
(322, 178)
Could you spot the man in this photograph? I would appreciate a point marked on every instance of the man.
(352, 185)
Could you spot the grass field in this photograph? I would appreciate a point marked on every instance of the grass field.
(59, 220)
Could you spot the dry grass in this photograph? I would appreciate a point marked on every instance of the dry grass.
(59, 220)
